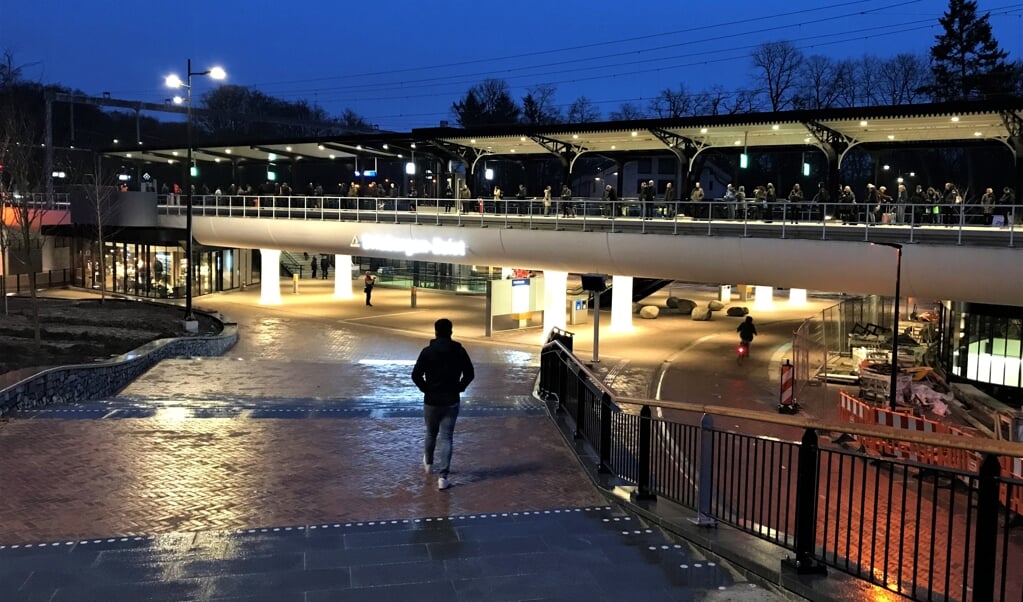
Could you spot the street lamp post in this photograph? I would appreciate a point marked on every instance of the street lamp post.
(174, 81)
(892, 388)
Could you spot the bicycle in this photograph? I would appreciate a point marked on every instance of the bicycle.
(742, 352)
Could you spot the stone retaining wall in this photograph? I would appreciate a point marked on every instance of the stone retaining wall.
(83, 382)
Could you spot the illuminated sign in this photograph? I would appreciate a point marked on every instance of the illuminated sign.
(413, 246)
(520, 295)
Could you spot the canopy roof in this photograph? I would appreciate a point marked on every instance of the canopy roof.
(994, 120)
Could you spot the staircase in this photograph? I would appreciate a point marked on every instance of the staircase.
(291, 265)
(641, 289)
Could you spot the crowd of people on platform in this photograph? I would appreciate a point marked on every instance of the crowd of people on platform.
(874, 205)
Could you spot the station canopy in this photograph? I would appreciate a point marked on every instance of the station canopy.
(987, 121)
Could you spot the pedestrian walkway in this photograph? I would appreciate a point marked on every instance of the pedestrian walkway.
(290, 470)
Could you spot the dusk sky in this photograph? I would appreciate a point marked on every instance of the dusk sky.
(401, 63)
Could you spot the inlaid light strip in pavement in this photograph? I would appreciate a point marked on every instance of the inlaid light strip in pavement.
(523, 554)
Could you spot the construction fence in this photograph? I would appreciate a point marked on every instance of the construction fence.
(857, 411)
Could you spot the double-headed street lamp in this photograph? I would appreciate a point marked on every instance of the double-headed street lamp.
(174, 81)
(892, 389)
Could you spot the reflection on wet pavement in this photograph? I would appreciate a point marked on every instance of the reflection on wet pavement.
(257, 474)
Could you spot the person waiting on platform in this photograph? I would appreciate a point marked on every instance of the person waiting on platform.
(796, 200)
(607, 208)
(567, 208)
(670, 202)
(648, 196)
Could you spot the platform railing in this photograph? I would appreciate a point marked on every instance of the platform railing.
(963, 224)
(922, 531)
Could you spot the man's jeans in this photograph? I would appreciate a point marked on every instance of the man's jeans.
(440, 419)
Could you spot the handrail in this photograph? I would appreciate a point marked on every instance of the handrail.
(858, 511)
(992, 446)
(917, 223)
(1001, 448)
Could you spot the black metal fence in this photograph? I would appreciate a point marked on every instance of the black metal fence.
(18, 284)
(923, 531)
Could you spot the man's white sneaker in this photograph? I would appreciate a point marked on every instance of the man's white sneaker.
(427, 466)
(443, 483)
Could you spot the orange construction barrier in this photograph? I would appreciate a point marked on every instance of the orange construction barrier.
(851, 409)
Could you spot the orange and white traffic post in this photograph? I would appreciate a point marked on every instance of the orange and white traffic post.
(786, 401)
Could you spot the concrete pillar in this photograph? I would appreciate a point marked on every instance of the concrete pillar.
(343, 282)
(763, 297)
(725, 293)
(270, 279)
(554, 297)
(621, 303)
(797, 297)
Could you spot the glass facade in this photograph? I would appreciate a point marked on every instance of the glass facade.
(402, 273)
(157, 271)
(982, 346)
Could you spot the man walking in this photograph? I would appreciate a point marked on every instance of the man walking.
(442, 372)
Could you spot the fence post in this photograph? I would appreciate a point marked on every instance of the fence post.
(545, 369)
(561, 368)
(605, 433)
(643, 478)
(984, 562)
(806, 509)
(704, 518)
(580, 407)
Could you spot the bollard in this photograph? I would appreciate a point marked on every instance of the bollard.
(786, 402)
(413, 289)
(294, 283)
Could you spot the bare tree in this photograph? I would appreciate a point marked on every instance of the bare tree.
(20, 187)
(538, 107)
(627, 111)
(743, 100)
(779, 63)
(902, 79)
(672, 103)
(96, 194)
(868, 71)
(582, 110)
(710, 102)
(820, 83)
(846, 90)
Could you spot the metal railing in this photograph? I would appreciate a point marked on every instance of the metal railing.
(18, 284)
(36, 200)
(925, 532)
(956, 224)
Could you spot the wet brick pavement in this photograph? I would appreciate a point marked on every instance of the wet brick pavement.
(215, 478)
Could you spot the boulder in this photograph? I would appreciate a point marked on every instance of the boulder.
(701, 314)
(737, 311)
(636, 307)
(715, 305)
(649, 312)
(685, 306)
(671, 303)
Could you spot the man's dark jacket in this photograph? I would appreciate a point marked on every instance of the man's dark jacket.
(442, 372)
